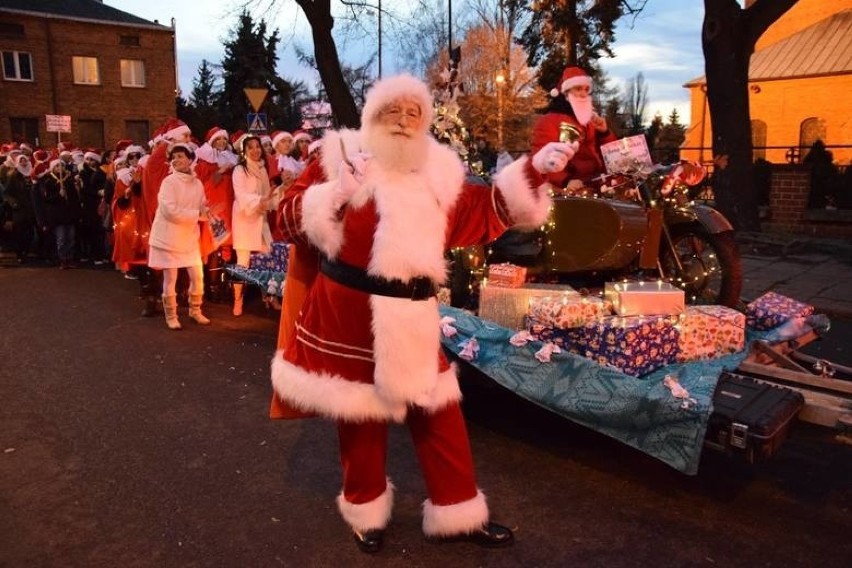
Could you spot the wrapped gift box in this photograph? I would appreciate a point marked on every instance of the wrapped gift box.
(275, 260)
(644, 298)
(634, 345)
(772, 309)
(707, 332)
(508, 306)
(568, 310)
(506, 275)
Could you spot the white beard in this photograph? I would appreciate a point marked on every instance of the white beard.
(582, 107)
(396, 153)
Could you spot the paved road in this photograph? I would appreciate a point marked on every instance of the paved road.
(125, 444)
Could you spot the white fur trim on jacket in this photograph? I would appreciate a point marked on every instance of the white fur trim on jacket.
(334, 397)
(528, 206)
(319, 218)
(457, 519)
(373, 515)
(332, 149)
(406, 337)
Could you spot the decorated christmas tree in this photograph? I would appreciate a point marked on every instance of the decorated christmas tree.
(448, 127)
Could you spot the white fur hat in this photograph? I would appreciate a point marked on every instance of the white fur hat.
(386, 91)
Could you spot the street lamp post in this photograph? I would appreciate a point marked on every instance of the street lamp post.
(500, 80)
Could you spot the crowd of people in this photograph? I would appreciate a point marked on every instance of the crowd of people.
(129, 206)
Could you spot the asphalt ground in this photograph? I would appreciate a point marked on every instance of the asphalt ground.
(126, 444)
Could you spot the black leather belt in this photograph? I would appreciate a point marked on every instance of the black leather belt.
(418, 288)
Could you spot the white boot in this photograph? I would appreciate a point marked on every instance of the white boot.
(170, 309)
(195, 301)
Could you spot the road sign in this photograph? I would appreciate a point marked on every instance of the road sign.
(256, 121)
(255, 97)
(58, 122)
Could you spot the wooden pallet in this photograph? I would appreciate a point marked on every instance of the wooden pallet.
(828, 401)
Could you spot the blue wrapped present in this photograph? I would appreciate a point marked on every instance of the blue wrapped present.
(772, 309)
(635, 345)
(274, 261)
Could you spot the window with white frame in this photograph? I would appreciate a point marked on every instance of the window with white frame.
(17, 66)
(132, 73)
(86, 70)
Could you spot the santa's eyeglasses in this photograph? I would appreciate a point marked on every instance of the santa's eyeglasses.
(134, 156)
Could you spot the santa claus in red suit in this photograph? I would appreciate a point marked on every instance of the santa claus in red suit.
(365, 350)
(572, 104)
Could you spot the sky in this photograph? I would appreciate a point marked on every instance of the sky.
(663, 43)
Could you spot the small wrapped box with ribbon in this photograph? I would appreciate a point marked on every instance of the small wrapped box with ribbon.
(506, 275)
(772, 309)
(645, 298)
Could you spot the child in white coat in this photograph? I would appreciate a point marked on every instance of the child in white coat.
(175, 233)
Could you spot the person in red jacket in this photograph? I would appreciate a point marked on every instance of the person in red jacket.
(572, 105)
(365, 347)
(213, 166)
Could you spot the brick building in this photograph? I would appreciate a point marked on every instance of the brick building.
(111, 72)
(800, 77)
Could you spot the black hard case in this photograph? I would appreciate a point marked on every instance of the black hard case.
(749, 418)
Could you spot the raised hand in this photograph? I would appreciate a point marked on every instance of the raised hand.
(554, 156)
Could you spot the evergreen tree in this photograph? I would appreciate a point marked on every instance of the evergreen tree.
(203, 100)
(571, 32)
(250, 61)
(671, 136)
(652, 135)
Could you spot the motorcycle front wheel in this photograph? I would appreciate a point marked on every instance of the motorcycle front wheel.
(706, 265)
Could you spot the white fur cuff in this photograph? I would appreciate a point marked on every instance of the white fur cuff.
(319, 218)
(460, 518)
(368, 516)
(528, 206)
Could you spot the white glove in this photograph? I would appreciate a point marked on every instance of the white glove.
(350, 177)
(554, 156)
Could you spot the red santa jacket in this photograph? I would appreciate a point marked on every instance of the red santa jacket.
(586, 163)
(219, 192)
(360, 356)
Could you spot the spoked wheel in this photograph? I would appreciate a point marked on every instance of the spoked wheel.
(707, 266)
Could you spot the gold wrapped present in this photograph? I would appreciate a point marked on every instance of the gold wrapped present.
(508, 306)
(648, 298)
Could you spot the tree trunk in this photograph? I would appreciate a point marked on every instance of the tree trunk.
(727, 51)
(318, 13)
(728, 38)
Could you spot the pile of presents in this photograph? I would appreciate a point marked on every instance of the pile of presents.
(634, 326)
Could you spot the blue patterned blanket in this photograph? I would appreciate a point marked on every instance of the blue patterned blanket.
(270, 281)
(641, 412)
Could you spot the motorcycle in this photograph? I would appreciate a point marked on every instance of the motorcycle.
(638, 224)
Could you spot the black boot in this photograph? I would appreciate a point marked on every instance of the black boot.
(369, 541)
(490, 535)
(149, 292)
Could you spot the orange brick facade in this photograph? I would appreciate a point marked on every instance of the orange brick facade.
(782, 106)
(123, 111)
(788, 202)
